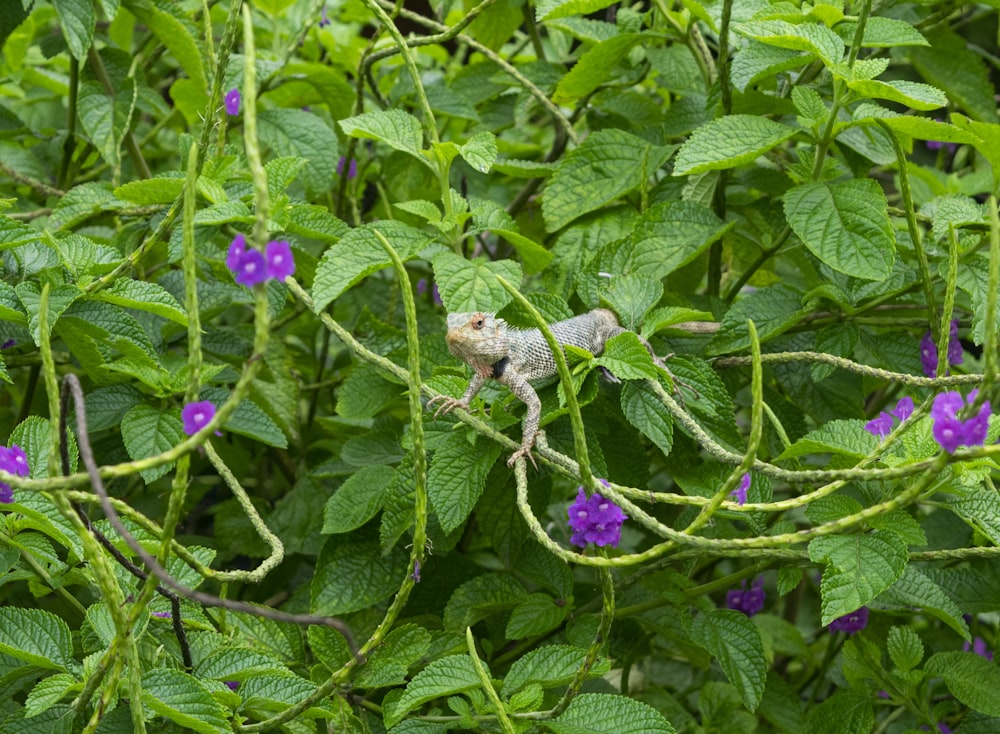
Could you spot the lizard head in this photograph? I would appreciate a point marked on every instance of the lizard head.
(478, 339)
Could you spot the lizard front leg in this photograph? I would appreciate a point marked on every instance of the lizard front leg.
(526, 393)
(449, 403)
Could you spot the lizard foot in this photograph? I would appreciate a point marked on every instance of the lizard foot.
(522, 451)
(448, 404)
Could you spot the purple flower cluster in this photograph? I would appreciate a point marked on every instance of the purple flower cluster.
(882, 426)
(232, 102)
(949, 431)
(595, 520)
(324, 21)
(196, 416)
(851, 623)
(12, 461)
(739, 494)
(979, 648)
(422, 289)
(749, 601)
(352, 170)
(251, 266)
(929, 355)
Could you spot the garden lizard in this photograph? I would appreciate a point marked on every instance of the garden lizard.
(513, 357)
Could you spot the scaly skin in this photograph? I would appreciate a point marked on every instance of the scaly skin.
(484, 342)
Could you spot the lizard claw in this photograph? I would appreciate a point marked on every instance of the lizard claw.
(523, 451)
(448, 404)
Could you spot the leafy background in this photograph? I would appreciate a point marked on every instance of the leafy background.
(816, 183)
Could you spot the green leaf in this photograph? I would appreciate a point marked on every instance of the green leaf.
(631, 295)
(757, 61)
(845, 712)
(315, 222)
(300, 134)
(82, 202)
(60, 298)
(972, 679)
(352, 575)
(846, 438)
(859, 567)
(815, 38)
(57, 720)
(882, 32)
(980, 508)
(359, 254)
(480, 151)
(729, 142)
(731, 637)
(552, 9)
(48, 692)
(550, 667)
(37, 637)
(457, 477)
(149, 431)
(949, 64)
(397, 129)
(34, 437)
(595, 67)
(670, 235)
(480, 597)
(14, 233)
(773, 309)
(365, 393)
(536, 614)
(144, 296)
(442, 677)
(106, 119)
(356, 501)
(488, 215)
(183, 699)
(915, 589)
(912, 94)
(905, 648)
(173, 34)
(388, 664)
(78, 20)
(328, 646)
(235, 663)
(595, 713)
(607, 165)
(471, 285)
(626, 358)
(644, 410)
(846, 225)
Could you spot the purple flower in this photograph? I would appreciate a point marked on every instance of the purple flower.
(324, 21)
(937, 144)
(251, 269)
(595, 520)
(880, 427)
(232, 101)
(232, 684)
(422, 289)
(13, 461)
(739, 494)
(942, 727)
(928, 350)
(903, 409)
(6, 494)
(162, 615)
(951, 432)
(196, 416)
(851, 623)
(8, 344)
(416, 572)
(280, 263)
(352, 170)
(749, 601)
(236, 250)
(979, 648)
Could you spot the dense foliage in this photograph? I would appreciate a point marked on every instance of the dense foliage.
(231, 235)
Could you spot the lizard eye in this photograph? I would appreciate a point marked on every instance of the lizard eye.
(477, 323)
